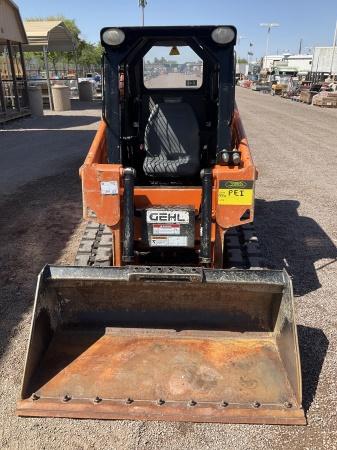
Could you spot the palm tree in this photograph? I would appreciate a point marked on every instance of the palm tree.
(142, 4)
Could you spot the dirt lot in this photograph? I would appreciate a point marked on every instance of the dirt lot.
(295, 149)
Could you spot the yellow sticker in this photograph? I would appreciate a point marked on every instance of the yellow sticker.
(235, 196)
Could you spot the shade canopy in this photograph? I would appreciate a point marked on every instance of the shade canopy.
(51, 34)
(11, 26)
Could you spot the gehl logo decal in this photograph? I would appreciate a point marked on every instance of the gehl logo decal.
(167, 217)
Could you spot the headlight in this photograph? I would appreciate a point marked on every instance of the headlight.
(223, 35)
(225, 157)
(113, 36)
(236, 158)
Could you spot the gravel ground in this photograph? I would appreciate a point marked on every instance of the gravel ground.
(294, 148)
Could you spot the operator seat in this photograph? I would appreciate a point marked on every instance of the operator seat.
(171, 141)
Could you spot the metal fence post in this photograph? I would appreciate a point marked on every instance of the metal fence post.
(15, 86)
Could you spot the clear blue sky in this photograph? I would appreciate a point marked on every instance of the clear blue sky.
(311, 20)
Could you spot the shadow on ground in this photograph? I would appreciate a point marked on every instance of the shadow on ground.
(293, 242)
(57, 121)
(77, 105)
(313, 347)
(54, 122)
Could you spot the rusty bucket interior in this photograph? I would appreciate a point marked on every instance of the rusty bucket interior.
(178, 344)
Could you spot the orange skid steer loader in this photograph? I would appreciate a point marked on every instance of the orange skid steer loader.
(167, 313)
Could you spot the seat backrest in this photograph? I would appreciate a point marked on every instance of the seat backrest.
(172, 141)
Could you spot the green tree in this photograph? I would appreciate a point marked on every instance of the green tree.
(34, 56)
(90, 55)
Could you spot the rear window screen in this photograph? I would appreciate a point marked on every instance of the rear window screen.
(177, 67)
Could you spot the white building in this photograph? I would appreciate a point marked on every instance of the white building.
(270, 60)
(288, 63)
(324, 59)
(302, 63)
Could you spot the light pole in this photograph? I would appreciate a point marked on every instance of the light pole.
(250, 53)
(300, 48)
(269, 26)
(142, 4)
(333, 50)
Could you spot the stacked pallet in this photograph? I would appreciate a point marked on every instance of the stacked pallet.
(306, 96)
(325, 99)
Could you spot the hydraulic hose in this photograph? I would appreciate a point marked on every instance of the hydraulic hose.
(206, 217)
(128, 215)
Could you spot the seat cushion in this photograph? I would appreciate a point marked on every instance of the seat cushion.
(172, 142)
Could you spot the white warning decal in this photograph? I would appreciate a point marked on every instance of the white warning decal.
(167, 229)
(168, 241)
(109, 187)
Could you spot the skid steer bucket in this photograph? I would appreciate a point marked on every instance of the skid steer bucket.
(163, 343)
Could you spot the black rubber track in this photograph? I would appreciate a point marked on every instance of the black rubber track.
(95, 248)
(242, 250)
